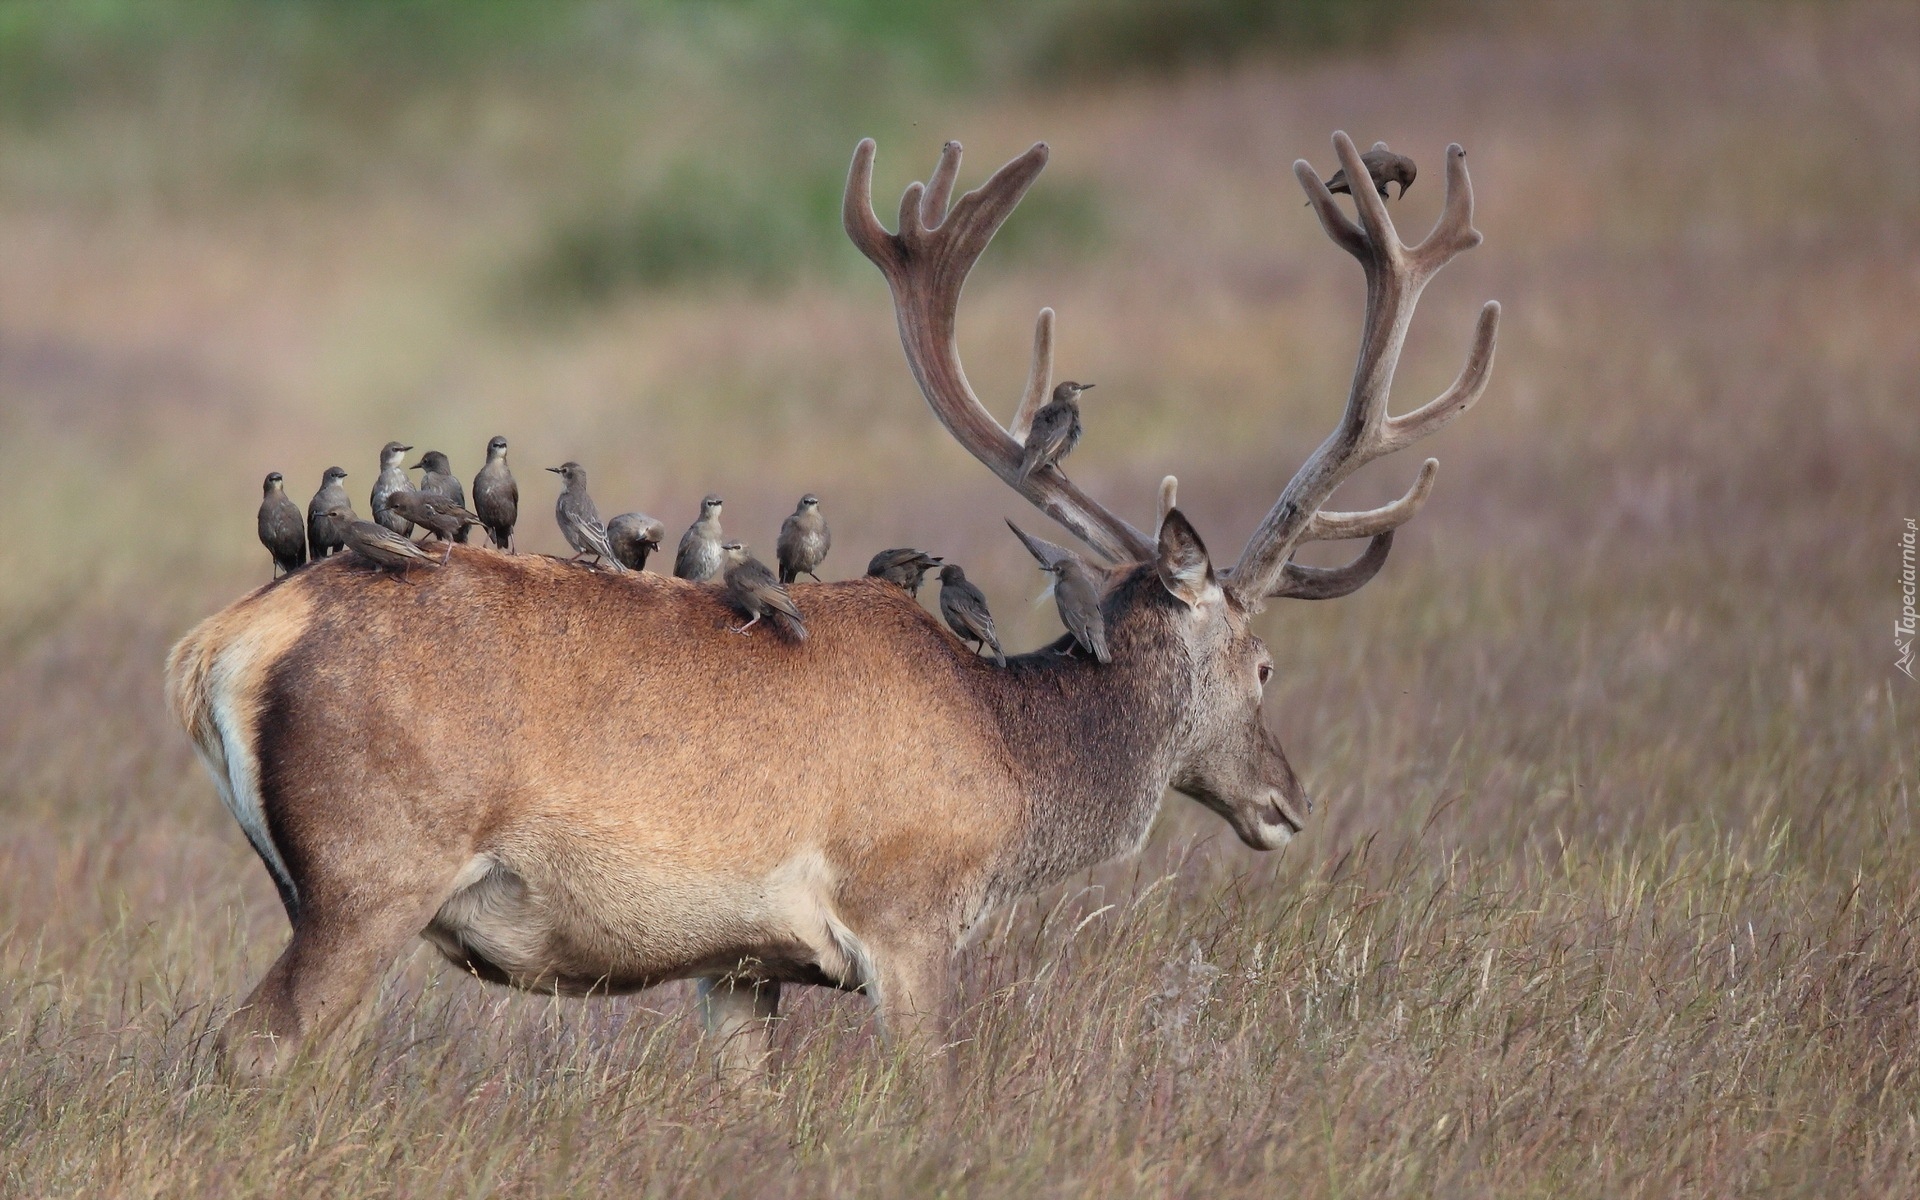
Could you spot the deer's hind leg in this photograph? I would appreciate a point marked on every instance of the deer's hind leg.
(343, 941)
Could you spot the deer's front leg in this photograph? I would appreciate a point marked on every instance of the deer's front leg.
(738, 1013)
(909, 990)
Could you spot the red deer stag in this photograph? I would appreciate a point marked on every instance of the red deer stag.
(569, 780)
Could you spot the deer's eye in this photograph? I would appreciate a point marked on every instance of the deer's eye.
(1266, 673)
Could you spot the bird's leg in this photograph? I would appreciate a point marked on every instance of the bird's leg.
(742, 629)
(448, 556)
(816, 578)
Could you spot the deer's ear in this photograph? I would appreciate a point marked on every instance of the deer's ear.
(1181, 560)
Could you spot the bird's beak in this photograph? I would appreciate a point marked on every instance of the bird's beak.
(406, 447)
(1087, 387)
(556, 470)
(418, 465)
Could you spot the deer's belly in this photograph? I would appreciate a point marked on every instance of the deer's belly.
(607, 931)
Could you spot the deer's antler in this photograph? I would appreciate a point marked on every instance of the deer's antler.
(926, 265)
(1395, 273)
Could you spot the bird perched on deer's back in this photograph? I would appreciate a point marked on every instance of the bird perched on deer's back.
(331, 497)
(392, 478)
(804, 540)
(633, 537)
(1384, 166)
(496, 497)
(903, 567)
(434, 513)
(1056, 429)
(438, 479)
(282, 531)
(1077, 590)
(701, 556)
(965, 608)
(579, 518)
(753, 590)
(377, 544)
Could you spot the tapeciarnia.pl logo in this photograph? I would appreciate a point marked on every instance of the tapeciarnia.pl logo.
(1903, 627)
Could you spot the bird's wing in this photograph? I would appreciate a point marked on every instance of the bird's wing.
(776, 598)
(974, 615)
(1051, 425)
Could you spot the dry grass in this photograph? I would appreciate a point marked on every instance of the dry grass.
(1614, 892)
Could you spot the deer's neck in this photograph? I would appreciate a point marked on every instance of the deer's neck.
(1096, 746)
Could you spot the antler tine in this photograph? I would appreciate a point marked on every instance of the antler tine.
(1454, 231)
(926, 265)
(1330, 583)
(1372, 207)
(1039, 378)
(1435, 414)
(1395, 276)
(1338, 225)
(933, 206)
(1336, 526)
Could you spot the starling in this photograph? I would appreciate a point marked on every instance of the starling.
(1056, 429)
(804, 540)
(1076, 589)
(392, 478)
(1384, 165)
(496, 497)
(580, 520)
(436, 514)
(330, 498)
(754, 591)
(377, 544)
(701, 556)
(633, 537)
(439, 480)
(965, 608)
(282, 531)
(905, 567)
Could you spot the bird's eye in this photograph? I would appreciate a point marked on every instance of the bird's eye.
(1266, 673)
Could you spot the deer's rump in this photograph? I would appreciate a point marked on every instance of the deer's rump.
(608, 786)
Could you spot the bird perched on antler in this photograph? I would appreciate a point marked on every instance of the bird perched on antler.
(579, 518)
(965, 608)
(1056, 429)
(496, 497)
(752, 589)
(392, 478)
(702, 555)
(633, 537)
(377, 544)
(903, 567)
(331, 497)
(1077, 591)
(282, 531)
(1384, 166)
(804, 540)
(439, 516)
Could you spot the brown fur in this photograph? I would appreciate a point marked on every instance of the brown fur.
(578, 781)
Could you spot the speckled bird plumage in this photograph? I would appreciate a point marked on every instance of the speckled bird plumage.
(331, 497)
(496, 496)
(282, 529)
(804, 540)
(700, 556)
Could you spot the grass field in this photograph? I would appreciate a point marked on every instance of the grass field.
(1612, 889)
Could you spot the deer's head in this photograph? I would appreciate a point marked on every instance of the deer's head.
(1225, 757)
